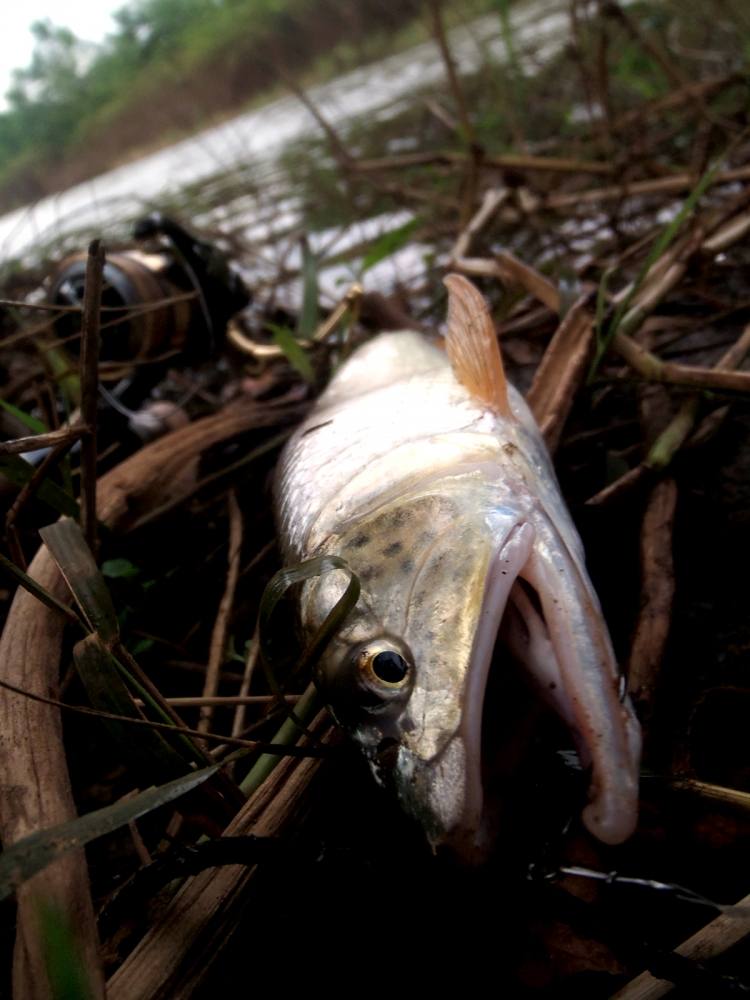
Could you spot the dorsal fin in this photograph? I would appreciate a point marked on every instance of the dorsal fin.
(472, 344)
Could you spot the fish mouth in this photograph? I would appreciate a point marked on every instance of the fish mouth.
(445, 792)
(539, 605)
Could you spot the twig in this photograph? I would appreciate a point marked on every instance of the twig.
(649, 44)
(675, 434)
(225, 701)
(502, 161)
(657, 593)
(562, 371)
(275, 749)
(717, 793)
(467, 128)
(714, 939)
(511, 271)
(655, 370)
(339, 150)
(92, 295)
(219, 634)
(238, 723)
(658, 185)
(51, 439)
(675, 98)
(493, 199)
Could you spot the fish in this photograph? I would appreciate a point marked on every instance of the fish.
(423, 469)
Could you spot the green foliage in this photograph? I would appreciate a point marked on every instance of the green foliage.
(388, 244)
(68, 978)
(293, 350)
(72, 89)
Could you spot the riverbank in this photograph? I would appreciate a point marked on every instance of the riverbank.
(237, 65)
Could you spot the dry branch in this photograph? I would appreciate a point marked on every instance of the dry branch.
(712, 940)
(177, 952)
(34, 784)
(657, 593)
(561, 372)
(219, 634)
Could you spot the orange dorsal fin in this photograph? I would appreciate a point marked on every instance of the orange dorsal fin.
(471, 343)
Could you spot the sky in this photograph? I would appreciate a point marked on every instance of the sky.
(88, 19)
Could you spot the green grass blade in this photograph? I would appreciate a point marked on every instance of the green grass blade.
(293, 350)
(35, 425)
(69, 549)
(33, 853)
(388, 244)
(30, 584)
(308, 317)
(19, 472)
(66, 973)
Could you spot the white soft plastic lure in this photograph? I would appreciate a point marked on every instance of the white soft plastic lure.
(426, 472)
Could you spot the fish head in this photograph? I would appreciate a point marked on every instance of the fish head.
(406, 675)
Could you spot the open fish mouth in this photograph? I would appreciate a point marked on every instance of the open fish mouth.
(540, 603)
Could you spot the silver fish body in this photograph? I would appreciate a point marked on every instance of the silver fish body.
(451, 516)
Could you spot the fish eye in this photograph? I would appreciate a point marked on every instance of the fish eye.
(384, 665)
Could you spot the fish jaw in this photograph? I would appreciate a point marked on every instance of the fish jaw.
(444, 790)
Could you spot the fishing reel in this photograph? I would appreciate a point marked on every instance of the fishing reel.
(173, 295)
(165, 306)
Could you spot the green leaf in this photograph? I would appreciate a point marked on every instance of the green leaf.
(308, 317)
(26, 419)
(70, 551)
(66, 972)
(30, 584)
(293, 350)
(119, 569)
(26, 857)
(19, 472)
(388, 244)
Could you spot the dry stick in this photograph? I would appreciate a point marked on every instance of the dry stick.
(92, 296)
(690, 92)
(219, 634)
(502, 161)
(282, 750)
(228, 700)
(649, 44)
(339, 150)
(562, 371)
(675, 434)
(717, 793)
(493, 199)
(26, 493)
(34, 784)
(510, 270)
(654, 369)
(238, 723)
(673, 184)
(468, 133)
(436, 16)
(52, 439)
(710, 941)
(178, 950)
(657, 593)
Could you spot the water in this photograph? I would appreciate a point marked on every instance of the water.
(254, 141)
